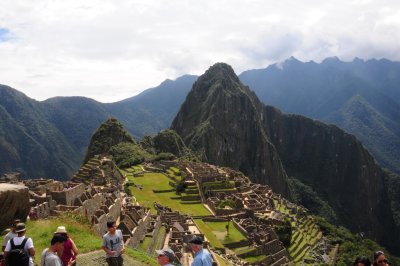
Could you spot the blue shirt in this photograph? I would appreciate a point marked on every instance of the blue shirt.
(202, 258)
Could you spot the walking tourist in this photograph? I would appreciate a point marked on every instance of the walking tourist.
(10, 234)
(201, 257)
(19, 250)
(70, 250)
(113, 245)
(380, 259)
(50, 255)
(362, 261)
(165, 256)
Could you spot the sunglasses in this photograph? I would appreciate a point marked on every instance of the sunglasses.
(382, 261)
(161, 255)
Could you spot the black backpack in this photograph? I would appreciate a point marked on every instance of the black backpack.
(17, 256)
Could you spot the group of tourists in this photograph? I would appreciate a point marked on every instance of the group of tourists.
(19, 250)
(113, 245)
(379, 259)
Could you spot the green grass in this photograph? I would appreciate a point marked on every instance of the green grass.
(143, 246)
(141, 256)
(217, 235)
(158, 181)
(255, 258)
(86, 240)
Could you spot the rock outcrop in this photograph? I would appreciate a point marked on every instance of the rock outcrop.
(14, 203)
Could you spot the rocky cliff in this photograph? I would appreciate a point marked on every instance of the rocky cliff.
(224, 120)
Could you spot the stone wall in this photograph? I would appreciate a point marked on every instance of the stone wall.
(68, 195)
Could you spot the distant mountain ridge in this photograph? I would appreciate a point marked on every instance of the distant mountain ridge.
(50, 138)
(361, 97)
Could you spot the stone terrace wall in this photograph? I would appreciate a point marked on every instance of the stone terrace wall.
(68, 195)
(114, 212)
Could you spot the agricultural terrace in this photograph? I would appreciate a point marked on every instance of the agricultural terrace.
(155, 187)
(217, 235)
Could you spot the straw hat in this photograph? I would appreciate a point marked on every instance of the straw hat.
(61, 230)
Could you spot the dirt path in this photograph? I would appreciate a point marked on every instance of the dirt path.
(98, 258)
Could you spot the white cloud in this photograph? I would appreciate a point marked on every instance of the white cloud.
(110, 50)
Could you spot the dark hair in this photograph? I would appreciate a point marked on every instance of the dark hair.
(58, 239)
(110, 224)
(62, 234)
(377, 254)
(362, 259)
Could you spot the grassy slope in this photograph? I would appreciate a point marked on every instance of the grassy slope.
(158, 181)
(85, 238)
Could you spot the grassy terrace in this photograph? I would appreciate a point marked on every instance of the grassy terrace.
(304, 237)
(159, 181)
(216, 233)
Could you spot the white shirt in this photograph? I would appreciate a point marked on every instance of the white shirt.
(17, 241)
(9, 236)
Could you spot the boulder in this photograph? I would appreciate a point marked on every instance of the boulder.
(14, 203)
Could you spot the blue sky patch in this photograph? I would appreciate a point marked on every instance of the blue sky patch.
(4, 34)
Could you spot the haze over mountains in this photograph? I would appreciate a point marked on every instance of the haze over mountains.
(361, 97)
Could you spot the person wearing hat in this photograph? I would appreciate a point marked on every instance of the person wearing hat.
(20, 229)
(70, 250)
(10, 234)
(201, 256)
(165, 256)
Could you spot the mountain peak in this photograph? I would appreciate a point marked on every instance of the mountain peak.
(221, 71)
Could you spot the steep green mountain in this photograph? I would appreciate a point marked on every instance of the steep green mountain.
(222, 119)
(28, 142)
(109, 134)
(360, 97)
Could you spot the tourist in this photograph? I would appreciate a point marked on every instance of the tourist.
(10, 234)
(70, 250)
(50, 255)
(113, 245)
(20, 242)
(165, 256)
(362, 261)
(201, 256)
(380, 259)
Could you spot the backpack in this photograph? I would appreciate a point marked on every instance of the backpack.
(17, 256)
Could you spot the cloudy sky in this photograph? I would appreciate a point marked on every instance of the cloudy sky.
(109, 50)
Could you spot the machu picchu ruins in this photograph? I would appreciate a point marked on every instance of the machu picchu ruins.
(100, 192)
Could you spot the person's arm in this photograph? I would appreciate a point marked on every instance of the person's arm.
(74, 248)
(31, 248)
(7, 249)
(106, 249)
(122, 243)
(31, 252)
